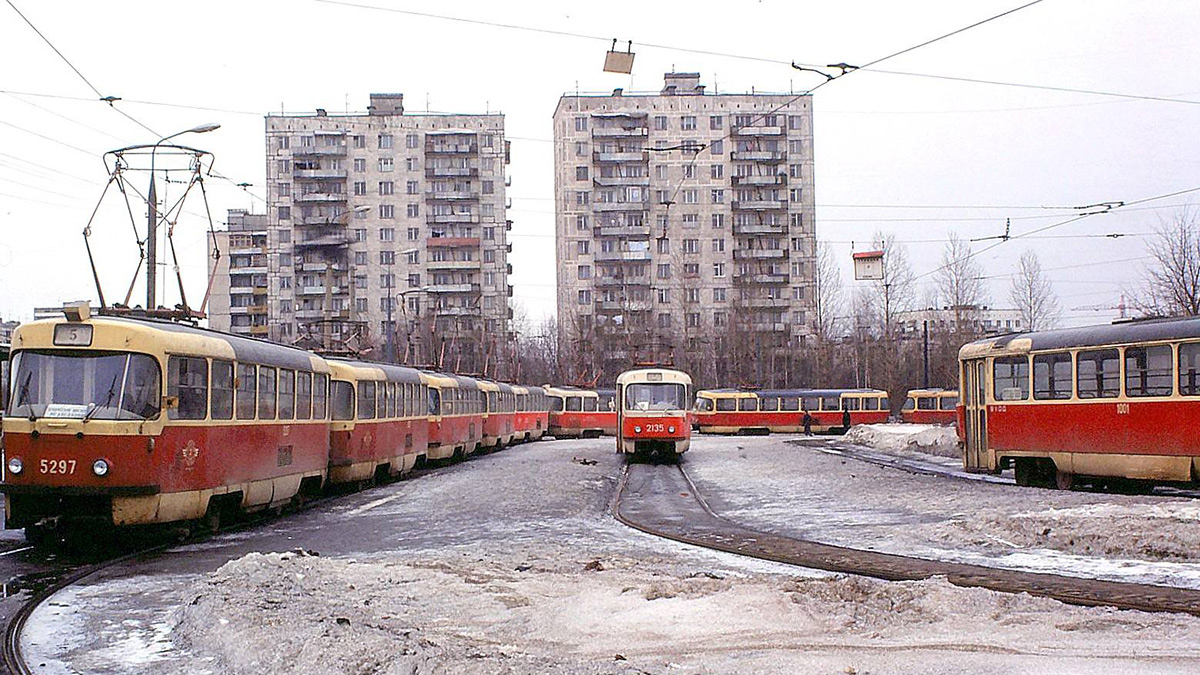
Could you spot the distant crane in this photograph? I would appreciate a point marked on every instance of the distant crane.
(1120, 306)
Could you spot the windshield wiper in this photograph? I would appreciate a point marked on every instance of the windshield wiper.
(112, 391)
(25, 395)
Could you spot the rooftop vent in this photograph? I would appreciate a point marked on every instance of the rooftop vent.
(682, 84)
(386, 104)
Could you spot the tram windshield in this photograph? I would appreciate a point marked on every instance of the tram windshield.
(658, 396)
(85, 385)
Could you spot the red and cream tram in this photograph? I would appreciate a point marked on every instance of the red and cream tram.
(455, 415)
(930, 406)
(652, 412)
(743, 411)
(576, 413)
(533, 413)
(380, 421)
(499, 419)
(122, 422)
(1093, 404)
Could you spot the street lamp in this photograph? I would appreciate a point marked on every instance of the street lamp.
(152, 216)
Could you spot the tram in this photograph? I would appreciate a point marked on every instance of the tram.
(930, 406)
(745, 411)
(1096, 404)
(652, 413)
(577, 413)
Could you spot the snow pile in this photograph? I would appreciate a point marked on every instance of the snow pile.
(931, 439)
(287, 613)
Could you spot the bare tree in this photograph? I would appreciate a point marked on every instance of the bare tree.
(828, 297)
(1032, 294)
(1172, 283)
(896, 291)
(960, 283)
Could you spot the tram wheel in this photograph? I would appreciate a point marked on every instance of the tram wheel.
(1064, 480)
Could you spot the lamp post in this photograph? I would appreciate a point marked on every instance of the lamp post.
(407, 326)
(390, 355)
(152, 216)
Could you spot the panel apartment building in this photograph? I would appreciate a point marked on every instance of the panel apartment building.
(685, 227)
(386, 229)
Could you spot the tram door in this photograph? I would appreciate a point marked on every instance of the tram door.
(974, 385)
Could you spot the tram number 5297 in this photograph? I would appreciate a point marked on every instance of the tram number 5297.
(57, 466)
(1122, 408)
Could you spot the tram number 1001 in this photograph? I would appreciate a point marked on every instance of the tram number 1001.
(57, 466)
(1122, 408)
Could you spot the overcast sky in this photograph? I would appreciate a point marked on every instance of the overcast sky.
(889, 147)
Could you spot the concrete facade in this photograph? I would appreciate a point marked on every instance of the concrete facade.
(982, 319)
(239, 301)
(685, 222)
(390, 212)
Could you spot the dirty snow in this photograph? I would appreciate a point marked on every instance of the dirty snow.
(512, 564)
(931, 439)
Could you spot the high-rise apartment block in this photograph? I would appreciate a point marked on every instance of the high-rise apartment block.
(239, 302)
(388, 230)
(685, 229)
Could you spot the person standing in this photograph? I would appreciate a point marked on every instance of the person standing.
(845, 420)
(807, 423)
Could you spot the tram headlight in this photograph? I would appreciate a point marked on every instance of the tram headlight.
(15, 465)
(637, 430)
(100, 467)
(671, 429)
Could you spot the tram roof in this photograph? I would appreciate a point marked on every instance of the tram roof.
(1130, 332)
(790, 392)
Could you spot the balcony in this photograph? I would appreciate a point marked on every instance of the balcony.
(451, 172)
(451, 148)
(321, 266)
(622, 231)
(456, 311)
(621, 206)
(249, 269)
(445, 195)
(615, 181)
(759, 254)
(768, 327)
(335, 220)
(771, 156)
(452, 242)
(319, 174)
(777, 303)
(320, 151)
(247, 250)
(260, 290)
(320, 290)
(452, 218)
(760, 228)
(341, 239)
(255, 310)
(320, 197)
(761, 278)
(452, 288)
(622, 256)
(774, 179)
(620, 132)
(259, 331)
(453, 264)
(624, 156)
(760, 205)
(239, 310)
(758, 131)
(242, 290)
(608, 282)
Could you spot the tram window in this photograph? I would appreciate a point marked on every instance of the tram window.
(910, 403)
(748, 404)
(366, 400)
(871, 403)
(704, 405)
(187, 379)
(769, 404)
(343, 400)
(287, 394)
(1189, 369)
(574, 404)
(831, 403)
(435, 401)
(1010, 378)
(303, 396)
(810, 404)
(789, 403)
(1148, 371)
(947, 402)
(851, 403)
(320, 395)
(726, 404)
(1098, 373)
(381, 402)
(247, 387)
(926, 403)
(1052, 376)
(222, 390)
(590, 404)
(266, 393)
(883, 403)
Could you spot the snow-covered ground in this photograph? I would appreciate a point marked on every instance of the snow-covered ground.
(511, 564)
(931, 439)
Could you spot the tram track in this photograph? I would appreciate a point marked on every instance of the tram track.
(663, 501)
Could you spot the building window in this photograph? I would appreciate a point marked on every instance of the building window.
(794, 170)
(385, 141)
(691, 220)
(581, 173)
(693, 320)
(385, 164)
(718, 295)
(716, 122)
(585, 297)
(718, 245)
(581, 123)
(411, 141)
(718, 270)
(691, 196)
(664, 271)
(489, 187)
(414, 233)
(795, 195)
(489, 255)
(285, 213)
(691, 269)
(718, 196)
(489, 233)
(360, 188)
(664, 320)
(717, 147)
(664, 246)
(387, 257)
(795, 122)
(386, 188)
(583, 247)
(412, 257)
(687, 122)
(412, 187)
(387, 211)
(581, 222)
(689, 170)
(691, 245)
(283, 142)
(582, 197)
(796, 146)
(387, 234)
(584, 271)
(360, 234)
